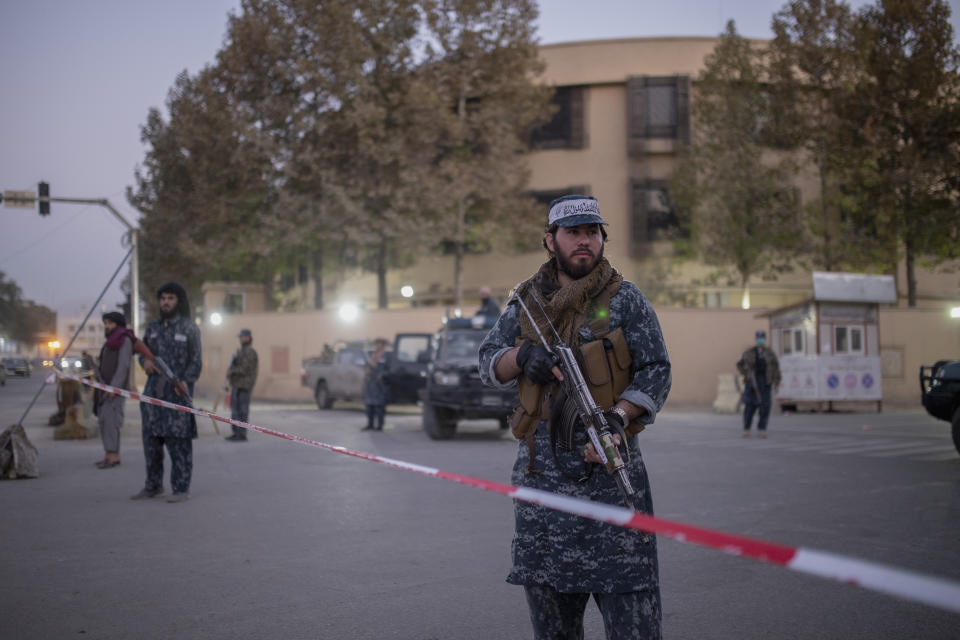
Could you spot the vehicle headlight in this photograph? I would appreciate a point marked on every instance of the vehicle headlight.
(446, 379)
(65, 364)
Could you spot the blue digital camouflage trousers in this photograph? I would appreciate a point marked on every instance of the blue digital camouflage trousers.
(181, 462)
(633, 615)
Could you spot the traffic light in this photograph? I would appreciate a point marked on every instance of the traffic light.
(43, 191)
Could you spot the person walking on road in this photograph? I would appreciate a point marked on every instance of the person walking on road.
(561, 559)
(375, 388)
(761, 373)
(175, 338)
(113, 370)
(242, 376)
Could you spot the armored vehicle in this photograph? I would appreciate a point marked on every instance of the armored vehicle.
(453, 390)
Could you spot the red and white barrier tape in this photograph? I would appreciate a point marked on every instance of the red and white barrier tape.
(909, 585)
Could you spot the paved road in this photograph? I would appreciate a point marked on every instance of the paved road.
(284, 540)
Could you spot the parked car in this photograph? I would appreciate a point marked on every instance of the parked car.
(17, 366)
(940, 394)
(340, 373)
(454, 391)
(76, 364)
(3, 375)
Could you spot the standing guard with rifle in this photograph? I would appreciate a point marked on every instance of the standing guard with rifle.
(174, 339)
(761, 374)
(585, 347)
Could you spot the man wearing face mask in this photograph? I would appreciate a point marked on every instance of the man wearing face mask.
(761, 373)
(175, 338)
(562, 560)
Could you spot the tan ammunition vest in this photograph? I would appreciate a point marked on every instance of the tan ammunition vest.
(605, 363)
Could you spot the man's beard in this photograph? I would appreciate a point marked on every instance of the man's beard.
(166, 315)
(576, 270)
(107, 332)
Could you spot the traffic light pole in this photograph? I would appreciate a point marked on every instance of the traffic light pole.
(135, 249)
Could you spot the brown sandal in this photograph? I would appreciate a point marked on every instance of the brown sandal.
(103, 464)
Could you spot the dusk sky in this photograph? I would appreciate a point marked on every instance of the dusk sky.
(79, 77)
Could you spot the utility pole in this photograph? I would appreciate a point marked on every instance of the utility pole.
(25, 199)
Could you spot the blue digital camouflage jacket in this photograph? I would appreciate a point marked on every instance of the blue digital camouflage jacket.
(177, 341)
(567, 552)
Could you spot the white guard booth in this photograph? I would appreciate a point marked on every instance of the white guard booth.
(829, 345)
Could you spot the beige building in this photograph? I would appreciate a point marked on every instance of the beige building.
(90, 338)
(623, 114)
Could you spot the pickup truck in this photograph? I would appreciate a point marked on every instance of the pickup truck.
(339, 374)
(940, 394)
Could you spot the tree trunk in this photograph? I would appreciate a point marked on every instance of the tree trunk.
(911, 274)
(318, 279)
(745, 286)
(461, 208)
(822, 166)
(268, 303)
(458, 256)
(382, 275)
(910, 249)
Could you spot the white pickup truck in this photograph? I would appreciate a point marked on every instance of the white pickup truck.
(340, 375)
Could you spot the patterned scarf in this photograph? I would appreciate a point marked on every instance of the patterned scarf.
(567, 306)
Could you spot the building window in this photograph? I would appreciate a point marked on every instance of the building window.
(848, 340)
(716, 299)
(233, 303)
(657, 107)
(791, 341)
(546, 197)
(653, 214)
(566, 128)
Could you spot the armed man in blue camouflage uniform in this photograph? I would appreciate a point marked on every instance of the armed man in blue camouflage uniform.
(561, 559)
(175, 338)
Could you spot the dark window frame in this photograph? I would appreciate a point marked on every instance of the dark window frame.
(639, 97)
(566, 129)
(644, 227)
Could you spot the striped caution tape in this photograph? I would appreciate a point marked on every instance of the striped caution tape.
(901, 583)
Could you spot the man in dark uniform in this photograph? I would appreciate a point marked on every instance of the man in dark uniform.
(761, 373)
(175, 338)
(562, 559)
(488, 306)
(242, 375)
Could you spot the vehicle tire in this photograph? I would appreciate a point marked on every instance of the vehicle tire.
(439, 423)
(955, 429)
(322, 395)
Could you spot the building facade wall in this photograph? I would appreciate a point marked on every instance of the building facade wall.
(702, 343)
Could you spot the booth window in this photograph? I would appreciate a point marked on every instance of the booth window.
(792, 341)
(848, 340)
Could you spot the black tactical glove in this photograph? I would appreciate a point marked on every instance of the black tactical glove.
(536, 362)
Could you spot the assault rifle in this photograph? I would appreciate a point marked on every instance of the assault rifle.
(598, 429)
(178, 385)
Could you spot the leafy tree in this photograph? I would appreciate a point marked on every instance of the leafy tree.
(202, 190)
(21, 320)
(330, 88)
(364, 127)
(811, 68)
(732, 192)
(481, 56)
(910, 96)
